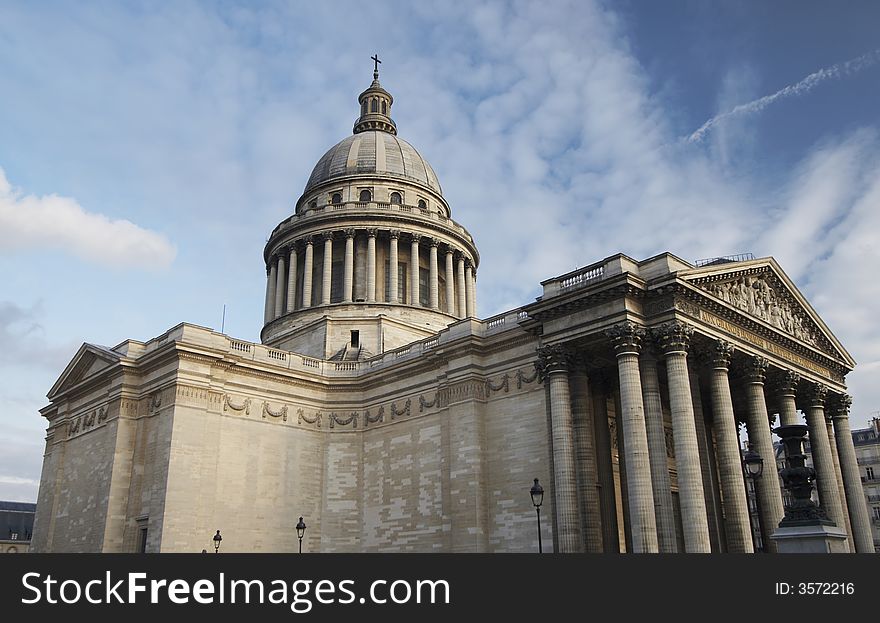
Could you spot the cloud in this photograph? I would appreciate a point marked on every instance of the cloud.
(23, 341)
(49, 221)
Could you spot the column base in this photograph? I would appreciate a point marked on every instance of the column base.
(810, 539)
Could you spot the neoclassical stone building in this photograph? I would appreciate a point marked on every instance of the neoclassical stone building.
(381, 409)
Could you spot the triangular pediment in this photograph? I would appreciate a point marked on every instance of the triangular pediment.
(89, 360)
(761, 290)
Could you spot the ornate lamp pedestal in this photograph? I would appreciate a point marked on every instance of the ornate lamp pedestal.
(806, 528)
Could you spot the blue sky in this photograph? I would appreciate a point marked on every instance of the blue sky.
(147, 150)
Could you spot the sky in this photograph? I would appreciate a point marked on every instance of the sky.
(147, 149)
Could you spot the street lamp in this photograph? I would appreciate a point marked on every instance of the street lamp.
(217, 539)
(753, 465)
(537, 493)
(300, 532)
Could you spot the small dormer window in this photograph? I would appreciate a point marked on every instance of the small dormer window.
(383, 107)
(395, 199)
(313, 204)
(364, 107)
(374, 107)
(365, 196)
(422, 204)
(336, 198)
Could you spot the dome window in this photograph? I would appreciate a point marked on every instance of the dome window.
(313, 204)
(336, 198)
(383, 107)
(374, 107)
(395, 199)
(422, 204)
(366, 196)
(364, 107)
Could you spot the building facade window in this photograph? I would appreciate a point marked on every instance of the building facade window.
(869, 471)
(396, 198)
(365, 196)
(336, 198)
(422, 204)
(424, 294)
(142, 541)
(876, 512)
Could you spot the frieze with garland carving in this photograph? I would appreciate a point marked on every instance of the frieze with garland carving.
(425, 404)
(244, 406)
(267, 410)
(89, 420)
(522, 379)
(315, 419)
(370, 419)
(395, 412)
(504, 385)
(351, 419)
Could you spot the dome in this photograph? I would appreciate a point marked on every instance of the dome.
(373, 153)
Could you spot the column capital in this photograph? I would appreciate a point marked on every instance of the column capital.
(416, 237)
(394, 234)
(309, 240)
(840, 406)
(468, 262)
(326, 235)
(720, 354)
(673, 337)
(372, 232)
(293, 247)
(755, 370)
(553, 358)
(349, 232)
(626, 337)
(450, 250)
(787, 383)
(433, 242)
(815, 395)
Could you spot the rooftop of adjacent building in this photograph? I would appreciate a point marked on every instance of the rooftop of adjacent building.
(16, 520)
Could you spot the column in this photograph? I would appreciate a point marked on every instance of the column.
(708, 462)
(462, 306)
(371, 265)
(291, 279)
(433, 276)
(786, 391)
(627, 341)
(820, 448)
(553, 364)
(269, 310)
(674, 340)
(307, 273)
(663, 505)
(585, 458)
(393, 268)
(471, 289)
(852, 480)
(273, 284)
(327, 269)
(736, 507)
(758, 427)
(841, 492)
(280, 284)
(348, 268)
(610, 540)
(450, 283)
(414, 270)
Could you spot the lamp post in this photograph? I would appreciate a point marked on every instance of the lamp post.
(753, 466)
(217, 539)
(537, 493)
(300, 532)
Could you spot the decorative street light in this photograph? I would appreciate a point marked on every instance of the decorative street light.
(753, 465)
(300, 532)
(217, 539)
(537, 493)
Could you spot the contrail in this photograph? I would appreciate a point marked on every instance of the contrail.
(807, 84)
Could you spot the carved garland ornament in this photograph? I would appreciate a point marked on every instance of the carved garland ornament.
(405, 411)
(379, 417)
(351, 419)
(267, 410)
(245, 406)
(302, 417)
